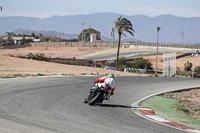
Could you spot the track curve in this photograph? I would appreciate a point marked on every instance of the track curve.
(56, 105)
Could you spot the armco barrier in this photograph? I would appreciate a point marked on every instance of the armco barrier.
(134, 70)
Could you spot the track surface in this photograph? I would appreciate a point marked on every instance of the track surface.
(56, 105)
(112, 56)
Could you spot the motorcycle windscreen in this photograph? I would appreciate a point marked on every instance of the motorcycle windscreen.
(110, 82)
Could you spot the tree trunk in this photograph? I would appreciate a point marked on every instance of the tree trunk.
(118, 51)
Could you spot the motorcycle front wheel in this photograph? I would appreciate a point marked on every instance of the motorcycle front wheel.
(95, 99)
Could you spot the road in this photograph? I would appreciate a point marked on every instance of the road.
(112, 56)
(46, 105)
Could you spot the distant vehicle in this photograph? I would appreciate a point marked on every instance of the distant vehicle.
(110, 68)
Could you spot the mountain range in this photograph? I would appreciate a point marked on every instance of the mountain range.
(174, 29)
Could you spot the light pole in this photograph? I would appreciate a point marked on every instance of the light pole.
(194, 54)
(158, 28)
(183, 37)
(0, 8)
(82, 32)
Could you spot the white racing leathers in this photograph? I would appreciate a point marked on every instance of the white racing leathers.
(110, 82)
(106, 80)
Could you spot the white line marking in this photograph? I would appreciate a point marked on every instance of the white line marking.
(157, 118)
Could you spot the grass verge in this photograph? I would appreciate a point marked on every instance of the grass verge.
(164, 108)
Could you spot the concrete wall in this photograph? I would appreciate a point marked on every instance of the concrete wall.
(105, 44)
(74, 44)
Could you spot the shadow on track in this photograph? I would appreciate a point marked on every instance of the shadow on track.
(116, 106)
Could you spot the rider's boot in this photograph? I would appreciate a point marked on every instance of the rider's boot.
(86, 99)
(106, 96)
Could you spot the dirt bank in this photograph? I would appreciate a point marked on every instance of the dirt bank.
(188, 102)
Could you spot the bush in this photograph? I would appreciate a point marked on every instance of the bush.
(143, 64)
(197, 69)
(40, 57)
(138, 64)
(188, 66)
(122, 63)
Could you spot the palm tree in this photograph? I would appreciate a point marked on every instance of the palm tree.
(121, 25)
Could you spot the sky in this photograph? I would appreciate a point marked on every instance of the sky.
(151, 8)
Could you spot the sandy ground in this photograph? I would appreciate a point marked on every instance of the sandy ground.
(10, 65)
(64, 52)
(14, 66)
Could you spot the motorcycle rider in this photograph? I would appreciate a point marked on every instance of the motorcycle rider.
(110, 85)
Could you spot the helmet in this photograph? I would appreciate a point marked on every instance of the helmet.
(111, 75)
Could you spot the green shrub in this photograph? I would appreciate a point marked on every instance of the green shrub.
(37, 56)
(188, 66)
(39, 74)
(83, 73)
(138, 64)
(196, 110)
(143, 64)
(181, 107)
(197, 69)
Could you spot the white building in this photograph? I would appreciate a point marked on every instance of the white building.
(93, 37)
(18, 39)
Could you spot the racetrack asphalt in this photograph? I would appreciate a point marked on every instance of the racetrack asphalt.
(112, 56)
(55, 104)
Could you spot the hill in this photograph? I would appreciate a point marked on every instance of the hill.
(173, 29)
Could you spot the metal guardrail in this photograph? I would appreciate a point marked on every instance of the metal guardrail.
(134, 70)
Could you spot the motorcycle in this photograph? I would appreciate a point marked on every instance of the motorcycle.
(97, 94)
